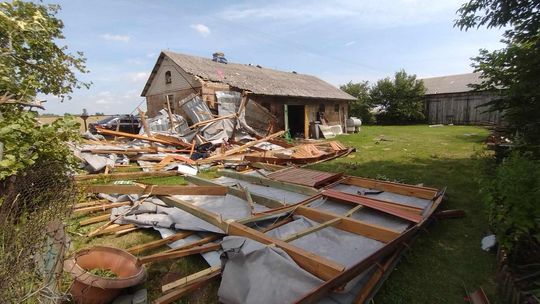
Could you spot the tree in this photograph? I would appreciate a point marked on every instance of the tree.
(360, 107)
(514, 71)
(399, 100)
(31, 61)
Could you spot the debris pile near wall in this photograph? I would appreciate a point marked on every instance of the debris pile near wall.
(242, 132)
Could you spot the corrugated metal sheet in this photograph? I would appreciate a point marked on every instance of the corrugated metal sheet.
(260, 81)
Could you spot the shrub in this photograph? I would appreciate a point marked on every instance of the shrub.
(512, 197)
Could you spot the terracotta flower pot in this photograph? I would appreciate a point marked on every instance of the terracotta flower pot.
(91, 289)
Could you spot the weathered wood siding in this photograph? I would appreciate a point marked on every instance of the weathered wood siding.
(460, 108)
(182, 84)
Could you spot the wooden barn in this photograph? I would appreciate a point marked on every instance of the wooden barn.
(296, 100)
(450, 100)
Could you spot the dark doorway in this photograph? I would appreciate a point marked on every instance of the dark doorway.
(296, 117)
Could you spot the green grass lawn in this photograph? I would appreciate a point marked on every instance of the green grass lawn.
(441, 261)
(447, 257)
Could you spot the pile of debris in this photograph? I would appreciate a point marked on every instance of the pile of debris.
(241, 132)
(273, 234)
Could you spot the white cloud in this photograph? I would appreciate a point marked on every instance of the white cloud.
(350, 43)
(111, 37)
(370, 13)
(138, 76)
(102, 101)
(151, 55)
(201, 29)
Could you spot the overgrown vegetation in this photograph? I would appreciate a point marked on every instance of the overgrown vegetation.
(514, 71)
(511, 195)
(35, 190)
(397, 100)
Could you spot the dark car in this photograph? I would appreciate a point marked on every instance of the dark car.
(128, 124)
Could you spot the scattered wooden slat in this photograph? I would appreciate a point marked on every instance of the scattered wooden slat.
(205, 122)
(321, 226)
(124, 175)
(191, 278)
(180, 292)
(200, 242)
(159, 243)
(102, 207)
(239, 149)
(146, 128)
(403, 189)
(90, 204)
(125, 231)
(295, 236)
(97, 219)
(114, 228)
(141, 137)
(157, 190)
(372, 231)
(178, 253)
(277, 224)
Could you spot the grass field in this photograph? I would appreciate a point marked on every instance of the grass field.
(448, 257)
(441, 261)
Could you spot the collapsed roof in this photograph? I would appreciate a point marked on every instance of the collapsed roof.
(256, 79)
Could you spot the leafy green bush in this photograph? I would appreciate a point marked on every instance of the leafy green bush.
(26, 142)
(512, 196)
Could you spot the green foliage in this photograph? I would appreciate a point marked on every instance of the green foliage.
(401, 99)
(511, 194)
(359, 108)
(31, 61)
(513, 71)
(26, 142)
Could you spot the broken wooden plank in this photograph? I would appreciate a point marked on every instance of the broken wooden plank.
(191, 278)
(159, 243)
(141, 137)
(295, 236)
(178, 253)
(200, 242)
(372, 231)
(239, 149)
(97, 219)
(403, 189)
(180, 292)
(115, 228)
(157, 190)
(102, 207)
(373, 204)
(125, 175)
(90, 204)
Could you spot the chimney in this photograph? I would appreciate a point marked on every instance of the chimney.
(219, 57)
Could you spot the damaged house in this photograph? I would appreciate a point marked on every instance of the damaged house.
(295, 100)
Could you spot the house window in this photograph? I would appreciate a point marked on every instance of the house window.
(322, 108)
(336, 108)
(168, 77)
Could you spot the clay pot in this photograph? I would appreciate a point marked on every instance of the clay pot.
(91, 289)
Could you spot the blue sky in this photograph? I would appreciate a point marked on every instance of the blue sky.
(338, 41)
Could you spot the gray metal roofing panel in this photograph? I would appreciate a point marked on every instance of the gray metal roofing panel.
(258, 80)
(451, 84)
